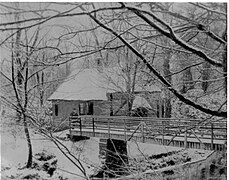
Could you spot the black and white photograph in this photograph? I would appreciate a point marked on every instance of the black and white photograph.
(113, 90)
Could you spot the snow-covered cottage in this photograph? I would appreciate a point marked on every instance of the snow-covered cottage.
(100, 92)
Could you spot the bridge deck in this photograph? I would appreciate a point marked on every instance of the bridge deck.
(182, 133)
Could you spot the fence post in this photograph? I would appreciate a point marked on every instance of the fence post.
(80, 126)
(163, 138)
(185, 136)
(125, 129)
(93, 126)
(212, 136)
(143, 138)
(109, 135)
(70, 127)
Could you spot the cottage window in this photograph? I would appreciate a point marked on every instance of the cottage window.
(86, 108)
(56, 109)
(81, 108)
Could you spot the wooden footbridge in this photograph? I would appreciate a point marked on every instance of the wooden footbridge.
(176, 132)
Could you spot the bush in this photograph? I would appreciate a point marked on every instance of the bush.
(214, 169)
(45, 162)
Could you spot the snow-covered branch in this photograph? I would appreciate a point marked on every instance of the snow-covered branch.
(170, 34)
(159, 76)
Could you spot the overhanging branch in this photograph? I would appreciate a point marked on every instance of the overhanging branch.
(171, 35)
(159, 76)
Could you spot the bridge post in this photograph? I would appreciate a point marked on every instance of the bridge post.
(212, 136)
(143, 136)
(80, 118)
(93, 126)
(185, 136)
(109, 130)
(111, 105)
(163, 138)
(125, 137)
(70, 127)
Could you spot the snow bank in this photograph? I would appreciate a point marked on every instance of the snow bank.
(14, 154)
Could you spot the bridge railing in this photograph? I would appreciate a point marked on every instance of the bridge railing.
(150, 127)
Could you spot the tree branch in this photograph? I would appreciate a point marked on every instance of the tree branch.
(161, 78)
(208, 9)
(171, 35)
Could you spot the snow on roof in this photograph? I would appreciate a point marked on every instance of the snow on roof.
(140, 102)
(91, 84)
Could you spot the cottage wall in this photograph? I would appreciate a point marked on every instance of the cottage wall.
(103, 108)
(60, 119)
(64, 108)
(100, 108)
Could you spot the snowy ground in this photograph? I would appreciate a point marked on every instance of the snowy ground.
(14, 154)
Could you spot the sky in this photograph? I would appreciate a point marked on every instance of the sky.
(51, 29)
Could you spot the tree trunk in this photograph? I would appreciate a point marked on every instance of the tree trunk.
(225, 69)
(30, 152)
(187, 81)
(19, 77)
(168, 108)
(205, 76)
(225, 60)
(167, 100)
(128, 85)
(40, 83)
(111, 105)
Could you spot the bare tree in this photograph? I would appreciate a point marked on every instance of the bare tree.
(24, 58)
(166, 30)
(141, 29)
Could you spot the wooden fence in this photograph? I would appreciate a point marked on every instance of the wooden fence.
(190, 133)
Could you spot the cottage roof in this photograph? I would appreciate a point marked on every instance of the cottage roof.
(92, 84)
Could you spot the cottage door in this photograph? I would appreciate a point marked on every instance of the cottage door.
(90, 108)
